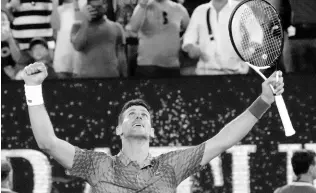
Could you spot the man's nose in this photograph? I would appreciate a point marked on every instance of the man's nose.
(138, 116)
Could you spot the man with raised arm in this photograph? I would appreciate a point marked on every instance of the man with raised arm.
(134, 169)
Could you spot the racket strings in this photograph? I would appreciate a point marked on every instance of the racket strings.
(260, 31)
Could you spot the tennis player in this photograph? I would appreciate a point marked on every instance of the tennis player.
(134, 169)
(304, 167)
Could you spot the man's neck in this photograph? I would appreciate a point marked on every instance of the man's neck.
(98, 21)
(305, 178)
(136, 150)
(219, 4)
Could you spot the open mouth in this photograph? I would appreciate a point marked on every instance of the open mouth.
(137, 125)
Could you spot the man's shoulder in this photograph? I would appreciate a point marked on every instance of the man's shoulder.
(294, 187)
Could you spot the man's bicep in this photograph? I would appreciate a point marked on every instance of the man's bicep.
(63, 152)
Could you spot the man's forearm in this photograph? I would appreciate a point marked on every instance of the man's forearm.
(235, 130)
(15, 51)
(138, 18)
(79, 35)
(55, 19)
(42, 127)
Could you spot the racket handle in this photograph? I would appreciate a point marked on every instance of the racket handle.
(285, 118)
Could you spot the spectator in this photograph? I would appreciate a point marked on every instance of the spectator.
(10, 53)
(31, 19)
(100, 43)
(304, 167)
(39, 52)
(300, 50)
(207, 38)
(125, 12)
(63, 17)
(6, 176)
(158, 24)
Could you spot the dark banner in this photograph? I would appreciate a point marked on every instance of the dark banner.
(186, 111)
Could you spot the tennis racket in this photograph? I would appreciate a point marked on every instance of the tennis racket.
(256, 34)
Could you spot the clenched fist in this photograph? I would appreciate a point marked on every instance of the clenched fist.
(34, 74)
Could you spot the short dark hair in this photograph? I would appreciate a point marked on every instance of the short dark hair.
(134, 102)
(302, 160)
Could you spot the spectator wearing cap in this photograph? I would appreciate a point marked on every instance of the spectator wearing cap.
(6, 176)
(39, 52)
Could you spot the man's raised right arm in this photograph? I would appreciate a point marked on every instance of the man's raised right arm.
(62, 151)
(138, 16)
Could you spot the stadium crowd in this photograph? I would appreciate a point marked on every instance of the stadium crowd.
(145, 38)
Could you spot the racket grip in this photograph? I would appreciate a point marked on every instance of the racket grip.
(285, 118)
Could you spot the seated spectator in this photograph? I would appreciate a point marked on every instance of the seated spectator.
(6, 176)
(10, 53)
(207, 38)
(39, 52)
(158, 24)
(31, 19)
(63, 17)
(100, 43)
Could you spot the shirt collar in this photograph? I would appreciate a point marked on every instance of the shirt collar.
(302, 184)
(228, 4)
(126, 160)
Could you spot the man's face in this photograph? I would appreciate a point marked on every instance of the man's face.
(39, 52)
(136, 123)
(100, 7)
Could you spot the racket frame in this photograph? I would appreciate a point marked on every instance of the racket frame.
(288, 127)
(232, 39)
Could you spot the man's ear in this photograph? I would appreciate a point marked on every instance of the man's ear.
(152, 132)
(119, 130)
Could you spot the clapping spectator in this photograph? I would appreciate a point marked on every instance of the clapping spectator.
(207, 39)
(100, 43)
(63, 17)
(158, 24)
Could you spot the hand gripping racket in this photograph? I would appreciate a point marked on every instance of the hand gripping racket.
(256, 34)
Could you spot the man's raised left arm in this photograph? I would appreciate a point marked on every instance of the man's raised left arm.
(238, 128)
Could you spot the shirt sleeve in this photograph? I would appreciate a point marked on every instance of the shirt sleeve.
(185, 162)
(89, 165)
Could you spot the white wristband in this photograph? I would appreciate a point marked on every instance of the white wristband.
(33, 95)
